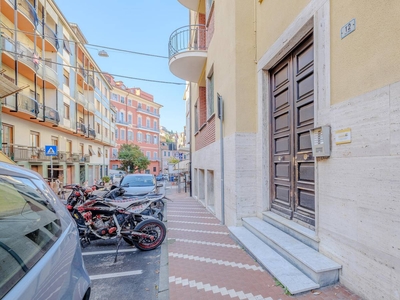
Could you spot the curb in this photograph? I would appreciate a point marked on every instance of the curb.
(163, 288)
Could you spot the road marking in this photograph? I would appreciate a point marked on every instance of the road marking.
(201, 231)
(113, 275)
(217, 261)
(108, 251)
(197, 223)
(192, 212)
(205, 243)
(194, 217)
(215, 289)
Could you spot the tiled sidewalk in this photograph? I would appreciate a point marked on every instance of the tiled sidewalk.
(206, 263)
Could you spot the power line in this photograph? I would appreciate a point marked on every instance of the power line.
(76, 68)
(93, 45)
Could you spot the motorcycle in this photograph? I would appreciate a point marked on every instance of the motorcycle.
(101, 220)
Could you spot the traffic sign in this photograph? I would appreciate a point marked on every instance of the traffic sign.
(50, 150)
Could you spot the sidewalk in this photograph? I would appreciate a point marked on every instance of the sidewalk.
(204, 261)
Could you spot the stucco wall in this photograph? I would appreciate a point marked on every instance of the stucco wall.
(367, 58)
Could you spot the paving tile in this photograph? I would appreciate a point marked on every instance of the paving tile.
(204, 264)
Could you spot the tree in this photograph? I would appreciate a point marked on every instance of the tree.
(173, 160)
(132, 158)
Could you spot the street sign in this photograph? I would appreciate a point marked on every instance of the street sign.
(50, 150)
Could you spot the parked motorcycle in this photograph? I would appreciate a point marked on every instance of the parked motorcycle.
(102, 220)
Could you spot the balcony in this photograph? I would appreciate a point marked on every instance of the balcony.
(139, 109)
(92, 133)
(50, 76)
(154, 129)
(190, 4)
(24, 153)
(121, 122)
(28, 105)
(188, 52)
(81, 99)
(8, 47)
(9, 102)
(51, 40)
(51, 115)
(80, 128)
(91, 82)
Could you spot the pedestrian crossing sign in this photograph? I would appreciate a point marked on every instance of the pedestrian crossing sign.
(50, 150)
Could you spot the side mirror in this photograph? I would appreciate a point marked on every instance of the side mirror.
(125, 185)
(160, 184)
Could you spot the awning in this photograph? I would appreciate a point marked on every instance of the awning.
(7, 87)
(4, 158)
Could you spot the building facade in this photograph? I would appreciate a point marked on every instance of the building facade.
(294, 77)
(63, 96)
(137, 123)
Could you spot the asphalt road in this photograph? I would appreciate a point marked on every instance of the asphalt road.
(135, 275)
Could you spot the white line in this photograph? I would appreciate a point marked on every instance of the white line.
(192, 212)
(201, 231)
(108, 251)
(196, 223)
(215, 289)
(205, 243)
(194, 217)
(217, 261)
(178, 206)
(113, 275)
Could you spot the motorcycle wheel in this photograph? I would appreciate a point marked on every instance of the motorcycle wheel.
(152, 227)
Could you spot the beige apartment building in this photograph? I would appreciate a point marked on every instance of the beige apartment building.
(309, 145)
(53, 94)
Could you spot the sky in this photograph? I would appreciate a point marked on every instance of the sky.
(142, 26)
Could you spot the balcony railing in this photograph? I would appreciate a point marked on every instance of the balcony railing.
(8, 45)
(51, 36)
(187, 38)
(148, 128)
(50, 75)
(91, 80)
(120, 121)
(81, 99)
(24, 153)
(51, 115)
(92, 133)
(25, 55)
(9, 102)
(139, 109)
(81, 128)
(28, 105)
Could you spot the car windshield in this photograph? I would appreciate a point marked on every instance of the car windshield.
(133, 181)
(29, 227)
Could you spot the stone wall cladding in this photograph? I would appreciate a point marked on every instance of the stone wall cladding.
(359, 190)
(210, 27)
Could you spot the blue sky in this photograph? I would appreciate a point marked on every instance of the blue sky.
(140, 26)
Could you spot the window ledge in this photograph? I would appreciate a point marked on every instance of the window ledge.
(211, 117)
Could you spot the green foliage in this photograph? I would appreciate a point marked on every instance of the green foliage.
(106, 179)
(173, 160)
(278, 283)
(131, 156)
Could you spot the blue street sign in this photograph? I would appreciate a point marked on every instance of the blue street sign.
(50, 150)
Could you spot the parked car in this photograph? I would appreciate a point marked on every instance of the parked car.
(138, 184)
(40, 252)
(160, 177)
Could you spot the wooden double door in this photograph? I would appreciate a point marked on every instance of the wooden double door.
(292, 116)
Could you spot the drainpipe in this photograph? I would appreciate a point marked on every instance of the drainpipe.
(220, 117)
(16, 53)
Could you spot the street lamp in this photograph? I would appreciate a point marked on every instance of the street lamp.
(103, 53)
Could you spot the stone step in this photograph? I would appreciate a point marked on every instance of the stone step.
(303, 234)
(290, 277)
(316, 266)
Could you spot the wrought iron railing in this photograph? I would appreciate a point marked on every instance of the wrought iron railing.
(92, 133)
(188, 38)
(81, 127)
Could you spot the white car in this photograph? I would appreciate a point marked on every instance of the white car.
(138, 184)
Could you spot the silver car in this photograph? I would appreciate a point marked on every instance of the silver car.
(138, 184)
(40, 253)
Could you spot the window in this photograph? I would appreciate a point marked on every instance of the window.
(99, 152)
(98, 128)
(196, 117)
(130, 135)
(25, 208)
(155, 140)
(155, 125)
(34, 139)
(139, 105)
(122, 99)
(210, 95)
(129, 102)
(67, 47)
(121, 116)
(115, 153)
(122, 134)
(148, 154)
(155, 111)
(155, 155)
(81, 149)
(147, 138)
(130, 118)
(66, 111)
(169, 154)
(165, 153)
(54, 140)
(116, 133)
(106, 153)
(139, 121)
(139, 136)
(114, 97)
(91, 152)
(106, 132)
(97, 82)
(148, 123)
(66, 78)
(98, 105)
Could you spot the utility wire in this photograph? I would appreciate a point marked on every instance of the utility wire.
(93, 45)
(76, 68)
